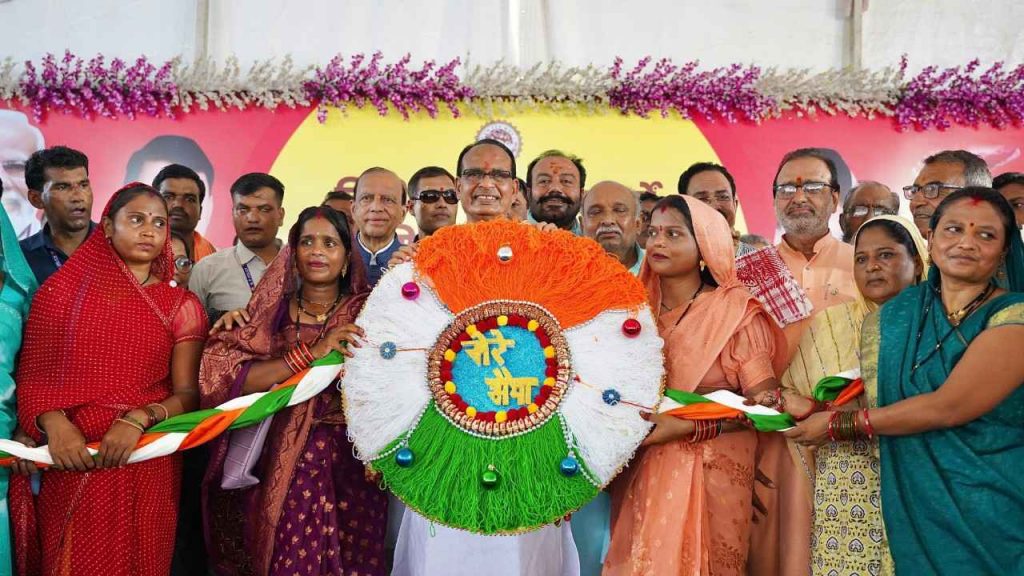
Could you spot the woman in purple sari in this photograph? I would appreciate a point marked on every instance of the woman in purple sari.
(313, 510)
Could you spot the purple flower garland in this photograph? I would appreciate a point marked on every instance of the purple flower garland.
(113, 90)
(933, 99)
(717, 93)
(940, 98)
(408, 91)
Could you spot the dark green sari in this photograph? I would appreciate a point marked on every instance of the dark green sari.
(953, 499)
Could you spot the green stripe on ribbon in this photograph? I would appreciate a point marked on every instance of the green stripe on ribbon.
(828, 388)
(762, 422)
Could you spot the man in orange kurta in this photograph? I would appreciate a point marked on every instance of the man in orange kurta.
(806, 195)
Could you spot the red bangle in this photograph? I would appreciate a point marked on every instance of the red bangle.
(831, 426)
(290, 362)
(303, 349)
(868, 428)
(815, 407)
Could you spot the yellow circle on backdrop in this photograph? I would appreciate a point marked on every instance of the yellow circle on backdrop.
(644, 154)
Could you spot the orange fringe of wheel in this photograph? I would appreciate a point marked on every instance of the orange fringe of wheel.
(540, 263)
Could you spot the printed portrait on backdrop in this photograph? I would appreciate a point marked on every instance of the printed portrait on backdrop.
(18, 140)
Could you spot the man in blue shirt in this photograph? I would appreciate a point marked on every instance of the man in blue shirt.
(378, 209)
(57, 179)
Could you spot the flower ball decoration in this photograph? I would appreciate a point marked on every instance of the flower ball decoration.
(504, 376)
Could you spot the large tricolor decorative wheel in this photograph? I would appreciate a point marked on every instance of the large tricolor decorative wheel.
(504, 375)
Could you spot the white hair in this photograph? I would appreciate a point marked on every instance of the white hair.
(20, 118)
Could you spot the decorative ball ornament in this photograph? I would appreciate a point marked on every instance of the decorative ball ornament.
(631, 327)
(410, 290)
(499, 387)
(489, 479)
(505, 254)
(404, 457)
(569, 466)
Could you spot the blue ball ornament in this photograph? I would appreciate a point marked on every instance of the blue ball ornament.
(569, 467)
(404, 457)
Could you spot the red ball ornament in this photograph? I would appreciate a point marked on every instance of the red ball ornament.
(631, 327)
(410, 291)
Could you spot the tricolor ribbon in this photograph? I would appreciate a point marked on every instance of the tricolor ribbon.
(195, 428)
(839, 389)
(723, 404)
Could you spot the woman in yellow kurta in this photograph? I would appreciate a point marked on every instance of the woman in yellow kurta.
(684, 504)
(847, 536)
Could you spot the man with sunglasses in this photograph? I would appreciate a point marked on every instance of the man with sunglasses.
(942, 174)
(865, 201)
(433, 200)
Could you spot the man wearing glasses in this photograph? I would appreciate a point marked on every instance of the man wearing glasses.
(433, 200)
(806, 195)
(941, 174)
(865, 201)
(806, 192)
(486, 187)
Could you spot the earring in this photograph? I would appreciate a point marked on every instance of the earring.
(702, 265)
(344, 271)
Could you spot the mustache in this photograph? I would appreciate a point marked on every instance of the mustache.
(614, 229)
(556, 196)
(177, 212)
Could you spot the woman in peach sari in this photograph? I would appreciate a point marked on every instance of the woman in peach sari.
(684, 504)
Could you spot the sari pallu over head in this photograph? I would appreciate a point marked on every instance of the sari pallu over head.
(952, 499)
(702, 338)
(96, 342)
(240, 525)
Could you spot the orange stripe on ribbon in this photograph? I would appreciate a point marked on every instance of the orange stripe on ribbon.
(851, 391)
(210, 428)
(705, 411)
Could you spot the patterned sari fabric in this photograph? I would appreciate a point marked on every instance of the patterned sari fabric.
(96, 345)
(846, 536)
(19, 284)
(953, 499)
(683, 508)
(314, 511)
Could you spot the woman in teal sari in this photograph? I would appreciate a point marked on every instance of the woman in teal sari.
(17, 285)
(943, 369)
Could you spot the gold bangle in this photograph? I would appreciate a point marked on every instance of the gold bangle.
(167, 414)
(129, 420)
(40, 428)
(132, 424)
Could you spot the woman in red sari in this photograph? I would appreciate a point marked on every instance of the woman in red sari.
(313, 510)
(112, 346)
